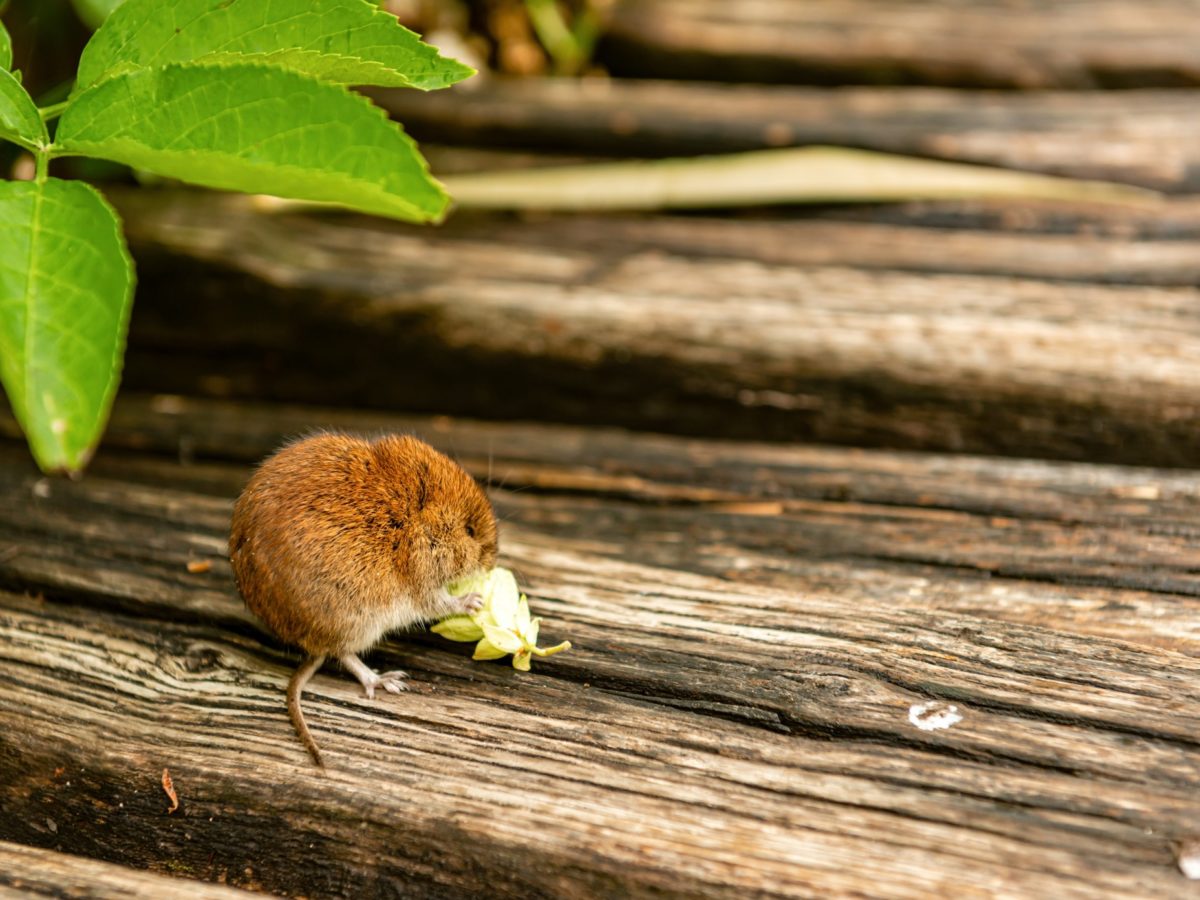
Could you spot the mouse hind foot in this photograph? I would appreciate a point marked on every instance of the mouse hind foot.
(392, 682)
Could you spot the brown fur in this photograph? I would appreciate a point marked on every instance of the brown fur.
(337, 540)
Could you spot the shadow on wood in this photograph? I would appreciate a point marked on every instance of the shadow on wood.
(616, 321)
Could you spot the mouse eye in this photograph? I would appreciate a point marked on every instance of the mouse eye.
(471, 531)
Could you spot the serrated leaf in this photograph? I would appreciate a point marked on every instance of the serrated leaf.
(20, 121)
(66, 284)
(253, 128)
(5, 48)
(94, 12)
(346, 41)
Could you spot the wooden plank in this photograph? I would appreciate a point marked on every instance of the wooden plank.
(1051, 241)
(1147, 137)
(1175, 220)
(557, 325)
(31, 872)
(590, 791)
(1081, 548)
(705, 737)
(985, 43)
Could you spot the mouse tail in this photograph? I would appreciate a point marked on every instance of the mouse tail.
(307, 669)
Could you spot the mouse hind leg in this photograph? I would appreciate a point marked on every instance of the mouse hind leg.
(392, 682)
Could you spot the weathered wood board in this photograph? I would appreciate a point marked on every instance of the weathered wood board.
(1054, 241)
(953, 527)
(29, 872)
(987, 43)
(737, 735)
(749, 329)
(1149, 138)
(799, 670)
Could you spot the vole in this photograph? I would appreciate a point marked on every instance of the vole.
(337, 540)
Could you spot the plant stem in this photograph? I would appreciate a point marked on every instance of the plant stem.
(550, 651)
(42, 159)
(555, 35)
(586, 32)
(53, 111)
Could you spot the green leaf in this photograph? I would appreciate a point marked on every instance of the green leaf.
(94, 12)
(5, 49)
(19, 119)
(347, 41)
(253, 128)
(66, 284)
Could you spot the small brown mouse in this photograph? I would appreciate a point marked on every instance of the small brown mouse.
(338, 540)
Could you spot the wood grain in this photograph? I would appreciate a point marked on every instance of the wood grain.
(1052, 241)
(1146, 137)
(545, 323)
(30, 872)
(987, 43)
(1081, 548)
(706, 738)
(762, 629)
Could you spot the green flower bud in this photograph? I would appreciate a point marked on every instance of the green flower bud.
(458, 628)
(504, 625)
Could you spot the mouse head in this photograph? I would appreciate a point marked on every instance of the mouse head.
(441, 524)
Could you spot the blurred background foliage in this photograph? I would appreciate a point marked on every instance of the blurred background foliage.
(508, 37)
(511, 37)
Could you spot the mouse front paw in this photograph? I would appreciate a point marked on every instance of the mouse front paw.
(447, 604)
(470, 604)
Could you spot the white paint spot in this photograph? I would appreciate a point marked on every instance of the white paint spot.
(58, 426)
(934, 715)
(1189, 860)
